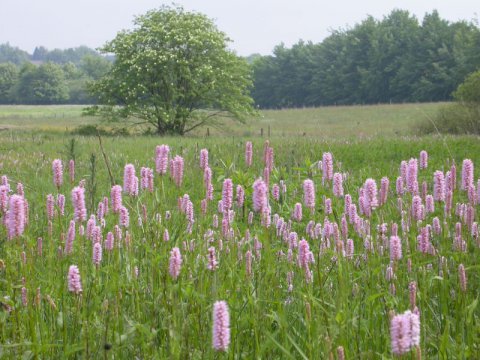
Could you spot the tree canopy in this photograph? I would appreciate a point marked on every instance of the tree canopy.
(395, 59)
(42, 85)
(49, 77)
(175, 72)
(8, 79)
(468, 92)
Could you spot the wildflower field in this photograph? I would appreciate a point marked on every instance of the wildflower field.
(210, 248)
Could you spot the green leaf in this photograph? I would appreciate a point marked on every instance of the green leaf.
(60, 319)
(470, 309)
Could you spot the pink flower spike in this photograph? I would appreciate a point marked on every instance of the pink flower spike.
(71, 171)
(276, 192)
(297, 212)
(175, 262)
(240, 196)
(467, 174)
(109, 242)
(161, 159)
(438, 186)
(15, 219)
(61, 204)
(116, 198)
(384, 184)
(423, 159)
(309, 194)
(221, 326)
(227, 194)
(429, 204)
(260, 200)
(130, 181)
(78, 200)
(57, 168)
(212, 259)
(177, 170)
(398, 333)
(97, 254)
(248, 153)
(70, 238)
(50, 206)
(327, 167)
(124, 217)
(74, 280)
(395, 248)
(412, 176)
(203, 159)
(371, 193)
(338, 185)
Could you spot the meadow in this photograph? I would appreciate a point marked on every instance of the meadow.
(323, 122)
(329, 283)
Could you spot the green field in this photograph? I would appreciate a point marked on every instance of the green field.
(324, 122)
(132, 307)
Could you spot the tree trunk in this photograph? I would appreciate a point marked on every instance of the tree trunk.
(160, 125)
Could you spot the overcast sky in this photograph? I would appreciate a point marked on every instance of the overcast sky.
(255, 26)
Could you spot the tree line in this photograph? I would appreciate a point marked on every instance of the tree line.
(396, 59)
(49, 77)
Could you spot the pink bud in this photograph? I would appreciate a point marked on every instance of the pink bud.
(248, 153)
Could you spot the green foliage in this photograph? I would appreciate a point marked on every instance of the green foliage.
(122, 316)
(79, 66)
(469, 91)
(74, 55)
(44, 84)
(461, 117)
(175, 72)
(95, 66)
(8, 79)
(95, 130)
(12, 54)
(40, 53)
(395, 59)
(454, 118)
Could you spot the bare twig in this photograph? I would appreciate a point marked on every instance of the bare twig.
(105, 159)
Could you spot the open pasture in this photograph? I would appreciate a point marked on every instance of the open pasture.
(321, 122)
(317, 285)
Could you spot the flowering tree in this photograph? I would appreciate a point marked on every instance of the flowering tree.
(175, 72)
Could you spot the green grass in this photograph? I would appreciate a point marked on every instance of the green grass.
(58, 118)
(342, 121)
(154, 316)
(324, 122)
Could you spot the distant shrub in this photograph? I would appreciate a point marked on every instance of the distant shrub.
(469, 91)
(94, 130)
(89, 130)
(454, 119)
(461, 117)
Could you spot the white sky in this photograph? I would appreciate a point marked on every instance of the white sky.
(255, 26)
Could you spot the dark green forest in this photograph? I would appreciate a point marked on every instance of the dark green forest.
(395, 59)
